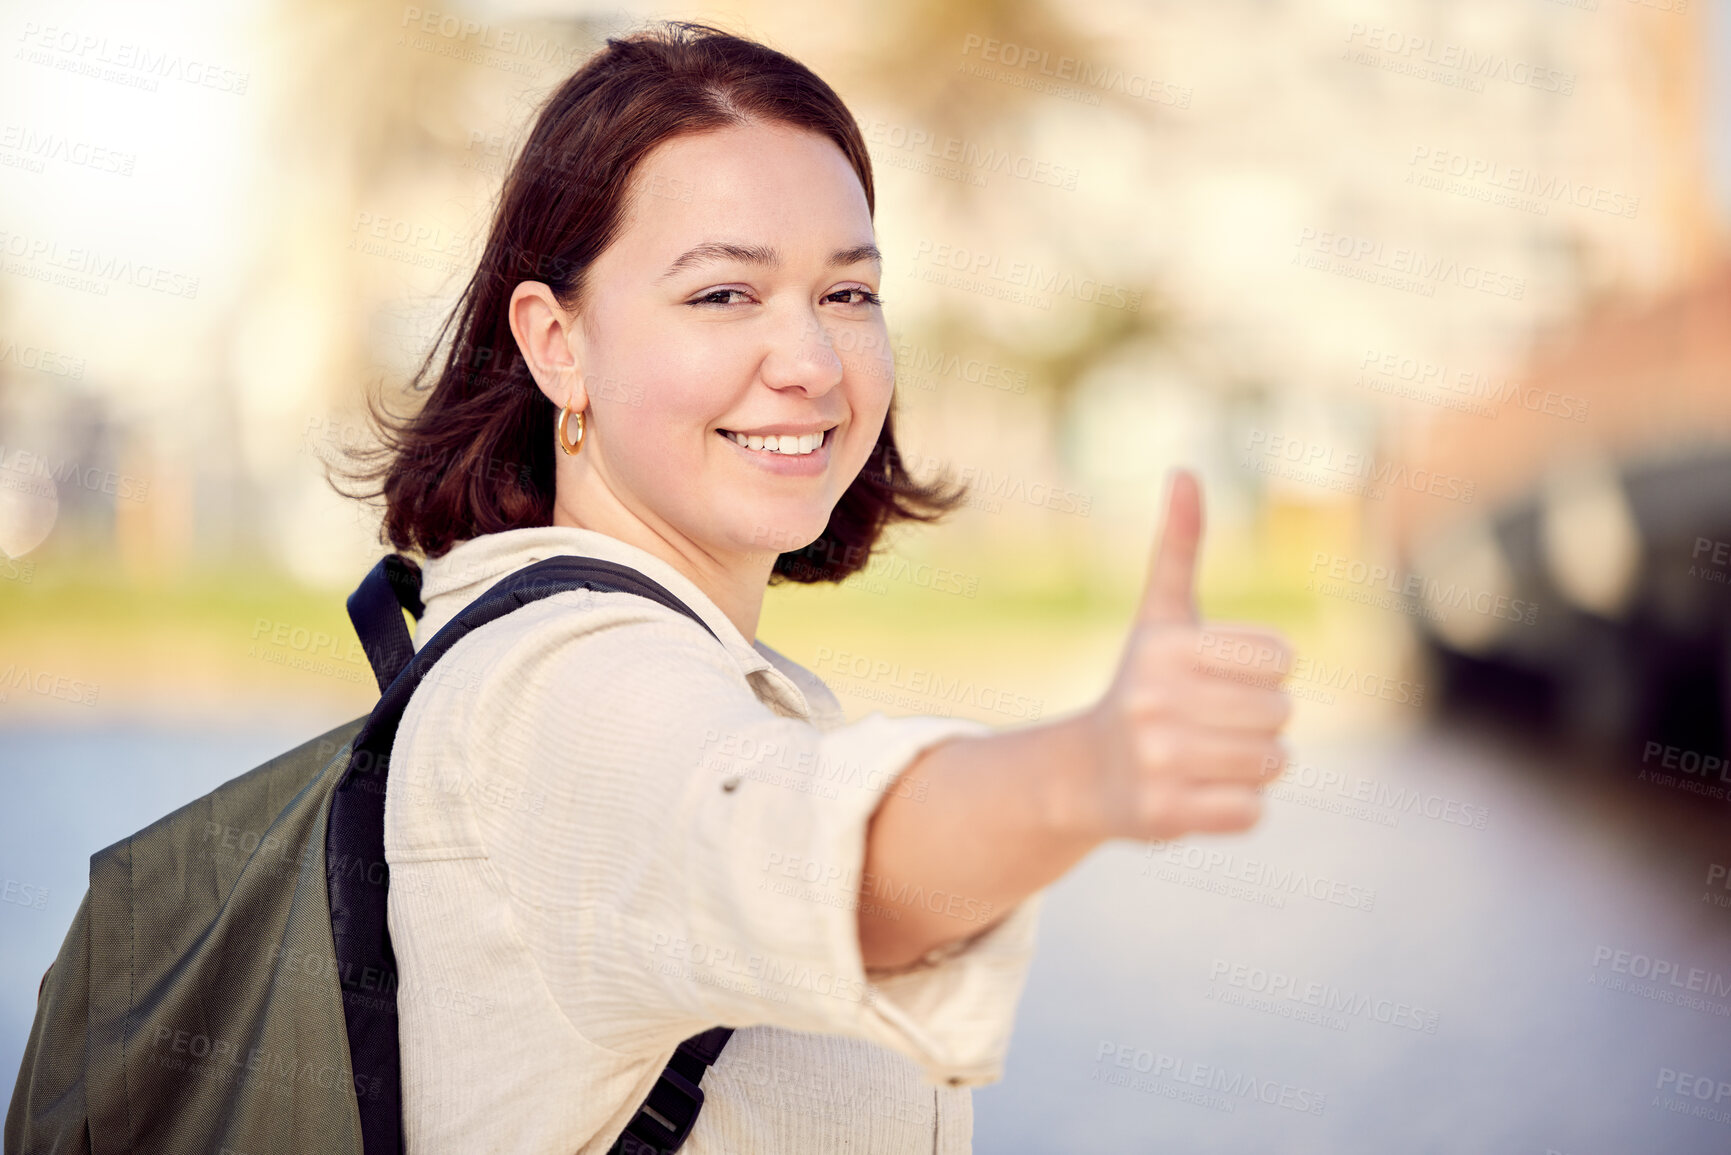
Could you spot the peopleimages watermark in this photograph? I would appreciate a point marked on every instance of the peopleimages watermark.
(197, 1053)
(1716, 567)
(911, 687)
(22, 147)
(1314, 679)
(312, 651)
(1388, 587)
(1230, 1087)
(1251, 879)
(920, 365)
(24, 894)
(236, 849)
(408, 242)
(868, 571)
(732, 966)
(46, 684)
(1464, 390)
(1371, 799)
(547, 163)
(338, 655)
(1697, 1096)
(1680, 768)
(1717, 876)
(39, 475)
(830, 1094)
(1020, 281)
(803, 768)
(476, 42)
(371, 986)
(1067, 77)
(42, 359)
(1398, 267)
(1448, 63)
(1511, 186)
(330, 440)
(1347, 470)
(832, 884)
(1661, 980)
(1321, 1004)
(989, 491)
(956, 158)
(87, 269)
(123, 62)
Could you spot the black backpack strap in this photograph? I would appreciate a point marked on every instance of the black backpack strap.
(357, 878)
(661, 1125)
(376, 608)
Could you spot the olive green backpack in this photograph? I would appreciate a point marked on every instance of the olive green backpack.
(228, 987)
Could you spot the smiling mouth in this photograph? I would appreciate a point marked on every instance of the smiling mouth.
(787, 444)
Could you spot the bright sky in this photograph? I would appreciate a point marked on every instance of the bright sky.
(145, 123)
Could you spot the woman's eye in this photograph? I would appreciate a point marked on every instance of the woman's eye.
(709, 298)
(723, 297)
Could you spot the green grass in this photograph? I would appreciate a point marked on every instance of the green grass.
(218, 632)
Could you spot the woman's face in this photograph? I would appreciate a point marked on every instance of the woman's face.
(739, 299)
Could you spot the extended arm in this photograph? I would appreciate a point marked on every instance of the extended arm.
(1183, 740)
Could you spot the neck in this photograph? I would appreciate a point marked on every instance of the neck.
(734, 583)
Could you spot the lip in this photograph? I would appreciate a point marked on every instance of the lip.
(804, 465)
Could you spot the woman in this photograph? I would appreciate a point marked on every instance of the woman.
(606, 831)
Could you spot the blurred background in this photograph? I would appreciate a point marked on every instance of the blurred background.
(1435, 296)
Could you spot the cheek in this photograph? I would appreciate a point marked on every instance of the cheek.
(875, 367)
(650, 404)
(633, 426)
(872, 380)
(870, 374)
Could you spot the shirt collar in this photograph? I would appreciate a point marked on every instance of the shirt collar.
(465, 572)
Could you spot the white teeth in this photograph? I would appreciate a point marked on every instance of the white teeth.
(779, 443)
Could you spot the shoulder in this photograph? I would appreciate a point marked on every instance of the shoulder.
(593, 635)
(576, 652)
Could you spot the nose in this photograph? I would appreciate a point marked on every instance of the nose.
(802, 356)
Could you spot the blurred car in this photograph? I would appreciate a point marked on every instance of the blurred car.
(1594, 611)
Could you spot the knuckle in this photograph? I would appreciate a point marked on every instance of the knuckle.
(1152, 697)
(1158, 748)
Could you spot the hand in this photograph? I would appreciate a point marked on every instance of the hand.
(1188, 732)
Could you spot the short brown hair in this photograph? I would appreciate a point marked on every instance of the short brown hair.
(477, 457)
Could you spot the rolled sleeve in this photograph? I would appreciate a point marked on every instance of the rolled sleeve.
(698, 857)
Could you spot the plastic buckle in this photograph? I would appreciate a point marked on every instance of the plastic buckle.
(669, 1113)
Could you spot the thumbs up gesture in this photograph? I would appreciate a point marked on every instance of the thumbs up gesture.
(1188, 732)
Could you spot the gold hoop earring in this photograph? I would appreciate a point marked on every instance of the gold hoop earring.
(564, 440)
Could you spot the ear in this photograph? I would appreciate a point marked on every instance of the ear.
(546, 334)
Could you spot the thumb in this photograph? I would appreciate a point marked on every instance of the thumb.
(1170, 593)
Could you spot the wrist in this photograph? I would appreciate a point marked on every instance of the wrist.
(1069, 791)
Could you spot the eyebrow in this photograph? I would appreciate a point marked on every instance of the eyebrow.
(762, 255)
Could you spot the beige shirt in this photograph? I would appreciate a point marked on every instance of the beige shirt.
(607, 832)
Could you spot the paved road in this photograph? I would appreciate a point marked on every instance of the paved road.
(1448, 945)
